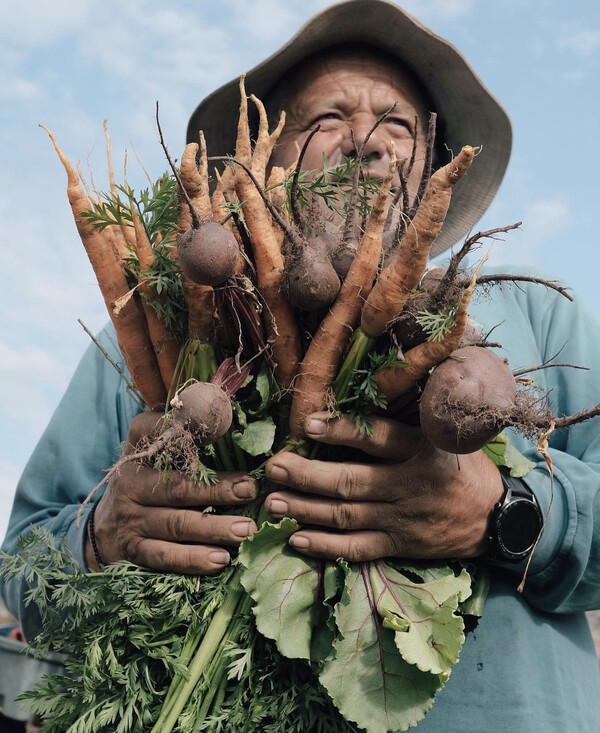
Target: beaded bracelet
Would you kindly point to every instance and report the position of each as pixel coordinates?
(92, 535)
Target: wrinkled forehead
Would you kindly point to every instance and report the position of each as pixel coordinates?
(355, 58)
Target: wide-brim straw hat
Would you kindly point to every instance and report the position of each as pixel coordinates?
(469, 113)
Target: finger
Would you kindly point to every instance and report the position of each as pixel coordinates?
(350, 481)
(149, 487)
(187, 525)
(387, 439)
(352, 546)
(345, 515)
(143, 426)
(170, 557)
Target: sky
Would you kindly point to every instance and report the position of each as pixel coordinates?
(70, 65)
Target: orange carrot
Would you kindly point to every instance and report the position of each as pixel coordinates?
(323, 357)
(130, 325)
(166, 346)
(268, 258)
(223, 195)
(394, 381)
(402, 276)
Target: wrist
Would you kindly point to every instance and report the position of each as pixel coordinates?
(93, 557)
(515, 523)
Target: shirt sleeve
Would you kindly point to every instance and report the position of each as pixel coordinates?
(539, 326)
(80, 443)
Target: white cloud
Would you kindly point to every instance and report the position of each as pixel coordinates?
(543, 220)
(13, 87)
(426, 10)
(546, 218)
(38, 22)
(27, 361)
(584, 42)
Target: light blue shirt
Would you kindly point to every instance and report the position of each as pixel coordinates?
(530, 665)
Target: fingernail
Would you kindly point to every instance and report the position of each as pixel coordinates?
(241, 529)
(219, 557)
(277, 507)
(299, 541)
(276, 473)
(316, 427)
(244, 489)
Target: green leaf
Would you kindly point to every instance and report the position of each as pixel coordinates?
(284, 586)
(430, 633)
(257, 437)
(324, 625)
(473, 605)
(504, 454)
(265, 388)
(367, 679)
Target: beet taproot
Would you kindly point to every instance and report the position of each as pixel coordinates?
(204, 409)
(467, 399)
(208, 254)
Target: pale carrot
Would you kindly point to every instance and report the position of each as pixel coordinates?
(268, 258)
(130, 325)
(166, 346)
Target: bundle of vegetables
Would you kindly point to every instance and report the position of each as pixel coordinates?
(228, 326)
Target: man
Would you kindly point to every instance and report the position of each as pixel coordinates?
(530, 665)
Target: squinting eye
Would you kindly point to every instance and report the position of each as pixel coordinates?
(399, 122)
(325, 116)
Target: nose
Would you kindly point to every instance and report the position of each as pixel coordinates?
(358, 130)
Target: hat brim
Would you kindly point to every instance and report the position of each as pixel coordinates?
(469, 112)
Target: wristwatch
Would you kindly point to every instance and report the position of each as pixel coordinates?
(515, 523)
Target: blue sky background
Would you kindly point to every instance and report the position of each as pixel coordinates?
(69, 65)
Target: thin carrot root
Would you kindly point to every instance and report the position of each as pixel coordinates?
(166, 346)
(223, 201)
(324, 354)
(402, 276)
(268, 258)
(394, 381)
(130, 324)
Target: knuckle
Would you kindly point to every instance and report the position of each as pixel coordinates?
(348, 484)
(342, 516)
(356, 551)
(133, 549)
(177, 524)
(140, 426)
(177, 489)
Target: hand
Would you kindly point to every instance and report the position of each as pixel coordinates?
(412, 501)
(157, 522)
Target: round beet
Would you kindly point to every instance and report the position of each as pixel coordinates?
(204, 410)
(208, 254)
(467, 400)
(310, 279)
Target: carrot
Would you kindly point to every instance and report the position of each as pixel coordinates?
(166, 346)
(223, 195)
(268, 258)
(130, 325)
(123, 234)
(394, 381)
(401, 277)
(323, 356)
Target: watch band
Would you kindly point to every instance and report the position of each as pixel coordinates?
(515, 523)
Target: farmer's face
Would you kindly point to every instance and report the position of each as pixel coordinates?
(346, 94)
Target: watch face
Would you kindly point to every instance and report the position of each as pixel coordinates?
(518, 526)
